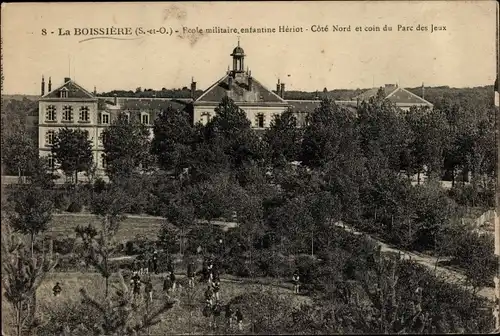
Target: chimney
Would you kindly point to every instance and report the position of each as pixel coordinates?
(95, 91)
(423, 91)
(50, 84)
(230, 81)
(250, 81)
(66, 79)
(282, 91)
(193, 88)
(278, 88)
(115, 99)
(43, 86)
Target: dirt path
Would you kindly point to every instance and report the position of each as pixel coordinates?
(430, 262)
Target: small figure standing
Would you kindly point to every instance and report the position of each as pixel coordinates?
(155, 261)
(216, 289)
(170, 266)
(149, 290)
(135, 266)
(239, 319)
(190, 274)
(136, 284)
(207, 312)
(296, 282)
(57, 289)
(209, 295)
(172, 280)
(167, 284)
(216, 311)
(229, 315)
(204, 273)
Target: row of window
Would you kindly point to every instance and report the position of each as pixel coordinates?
(67, 113)
(51, 161)
(50, 135)
(260, 119)
(84, 115)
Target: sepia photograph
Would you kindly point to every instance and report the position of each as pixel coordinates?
(250, 168)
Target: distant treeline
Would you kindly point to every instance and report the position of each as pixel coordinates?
(434, 95)
(483, 95)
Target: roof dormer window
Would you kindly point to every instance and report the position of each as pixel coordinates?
(63, 93)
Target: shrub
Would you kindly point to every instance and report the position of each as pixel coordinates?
(63, 245)
(273, 264)
(267, 313)
(62, 201)
(75, 206)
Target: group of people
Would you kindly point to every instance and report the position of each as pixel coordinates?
(213, 303)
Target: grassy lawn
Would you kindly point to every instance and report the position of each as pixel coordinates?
(146, 227)
(185, 317)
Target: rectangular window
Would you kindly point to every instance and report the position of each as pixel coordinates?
(102, 138)
(50, 160)
(49, 138)
(103, 161)
(260, 120)
(50, 114)
(145, 118)
(67, 114)
(105, 118)
(84, 114)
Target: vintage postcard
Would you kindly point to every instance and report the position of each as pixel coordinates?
(302, 167)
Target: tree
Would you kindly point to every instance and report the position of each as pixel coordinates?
(383, 133)
(18, 151)
(330, 135)
(31, 211)
(181, 213)
(73, 151)
(126, 147)
(230, 129)
(121, 314)
(429, 139)
(173, 135)
(109, 205)
(22, 274)
(283, 139)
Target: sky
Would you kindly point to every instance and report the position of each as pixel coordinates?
(464, 55)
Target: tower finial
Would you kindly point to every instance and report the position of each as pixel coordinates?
(238, 40)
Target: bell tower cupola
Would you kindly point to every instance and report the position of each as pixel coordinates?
(238, 59)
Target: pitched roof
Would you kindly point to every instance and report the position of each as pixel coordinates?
(74, 91)
(308, 106)
(134, 104)
(388, 89)
(395, 94)
(403, 96)
(239, 91)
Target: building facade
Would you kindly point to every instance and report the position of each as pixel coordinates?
(70, 105)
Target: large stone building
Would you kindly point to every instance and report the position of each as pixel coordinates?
(70, 105)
